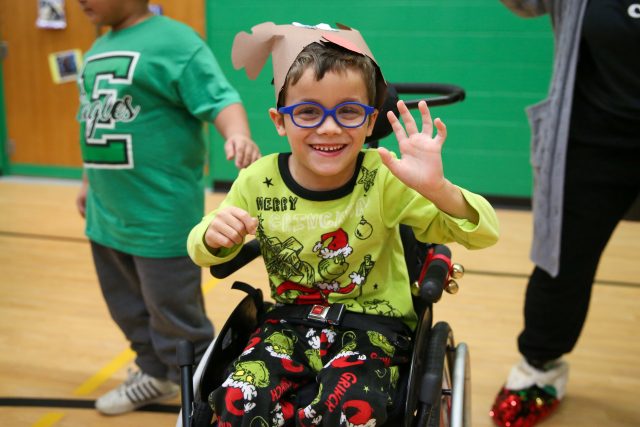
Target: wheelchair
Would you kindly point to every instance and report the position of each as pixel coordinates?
(434, 387)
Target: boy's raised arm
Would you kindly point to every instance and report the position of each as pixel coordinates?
(420, 165)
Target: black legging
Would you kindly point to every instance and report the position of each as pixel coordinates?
(600, 186)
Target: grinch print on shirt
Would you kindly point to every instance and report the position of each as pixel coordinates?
(301, 283)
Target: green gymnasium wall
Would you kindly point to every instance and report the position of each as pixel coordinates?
(502, 61)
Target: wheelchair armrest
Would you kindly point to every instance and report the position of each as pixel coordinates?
(248, 252)
(435, 273)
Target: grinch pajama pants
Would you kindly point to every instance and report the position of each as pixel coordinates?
(349, 376)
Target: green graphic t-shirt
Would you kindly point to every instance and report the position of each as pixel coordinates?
(341, 245)
(144, 93)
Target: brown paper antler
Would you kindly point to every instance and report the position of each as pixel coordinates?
(284, 42)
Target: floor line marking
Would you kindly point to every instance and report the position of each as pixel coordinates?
(122, 359)
(106, 372)
(209, 285)
(49, 419)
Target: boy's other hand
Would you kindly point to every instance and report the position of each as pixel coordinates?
(229, 228)
(243, 149)
(81, 199)
(420, 162)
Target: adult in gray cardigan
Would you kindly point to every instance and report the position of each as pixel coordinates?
(585, 154)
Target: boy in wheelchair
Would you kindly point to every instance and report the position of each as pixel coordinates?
(327, 216)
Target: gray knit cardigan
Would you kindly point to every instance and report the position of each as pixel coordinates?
(549, 121)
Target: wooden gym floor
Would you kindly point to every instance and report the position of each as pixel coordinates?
(58, 343)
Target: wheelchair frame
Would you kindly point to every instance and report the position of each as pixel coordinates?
(438, 378)
(438, 384)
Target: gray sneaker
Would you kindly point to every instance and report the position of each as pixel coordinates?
(138, 390)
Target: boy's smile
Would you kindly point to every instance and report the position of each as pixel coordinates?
(324, 157)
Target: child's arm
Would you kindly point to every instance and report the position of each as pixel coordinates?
(81, 198)
(229, 228)
(222, 229)
(232, 124)
(420, 166)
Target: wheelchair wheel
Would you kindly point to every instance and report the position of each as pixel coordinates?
(445, 392)
(440, 363)
(461, 397)
(436, 388)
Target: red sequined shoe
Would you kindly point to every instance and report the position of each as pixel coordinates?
(529, 395)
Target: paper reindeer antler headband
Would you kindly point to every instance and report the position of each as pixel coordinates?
(285, 42)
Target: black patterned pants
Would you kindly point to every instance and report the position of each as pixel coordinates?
(296, 375)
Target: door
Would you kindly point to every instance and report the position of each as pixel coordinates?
(41, 129)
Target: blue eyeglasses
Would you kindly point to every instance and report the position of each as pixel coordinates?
(312, 114)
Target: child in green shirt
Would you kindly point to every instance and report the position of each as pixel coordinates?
(146, 88)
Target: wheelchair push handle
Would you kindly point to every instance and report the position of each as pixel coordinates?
(449, 94)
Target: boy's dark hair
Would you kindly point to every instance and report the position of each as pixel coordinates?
(325, 57)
